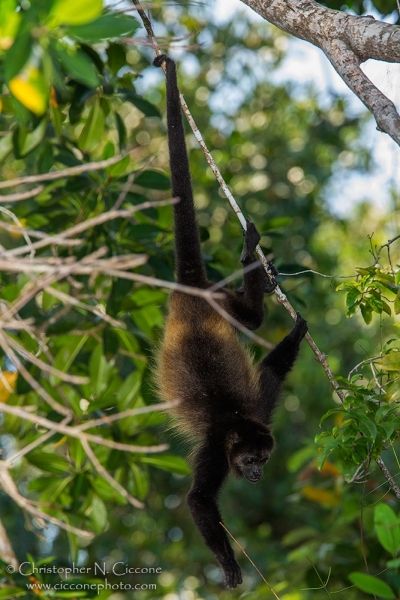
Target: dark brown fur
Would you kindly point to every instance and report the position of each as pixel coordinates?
(226, 402)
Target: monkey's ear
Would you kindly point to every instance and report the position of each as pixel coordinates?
(233, 438)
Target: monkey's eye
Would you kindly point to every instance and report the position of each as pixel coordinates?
(249, 461)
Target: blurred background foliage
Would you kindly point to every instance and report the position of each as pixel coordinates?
(78, 86)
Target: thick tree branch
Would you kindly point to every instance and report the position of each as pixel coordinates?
(347, 65)
(347, 41)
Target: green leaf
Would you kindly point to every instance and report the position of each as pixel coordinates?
(74, 12)
(33, 139)
(276, 223)
(387, 527)
(11, 592)
(352, 297)
(106, 491)
(98, 514)
(93, 130)
(106, 27)
(366, 312)
(148, 109)
(154, 180)
(168, 462)
(100, 370)
(368, 428)
(78, 66)
(66, 356)
(390, 362)
(119, 168)
(141, 480)
(9, 22)
(18, 55)
(51, 463)
(371, 585)
(299, 458)
(397, 304)
(6, 145)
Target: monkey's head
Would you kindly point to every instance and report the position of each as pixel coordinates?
(249, 447)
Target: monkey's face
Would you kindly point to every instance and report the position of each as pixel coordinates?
(249, 446)
(251, 465)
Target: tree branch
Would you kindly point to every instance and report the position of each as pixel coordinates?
(8, 485)
(69, 172)
(106, 475)
(76, 433)
(347, 40)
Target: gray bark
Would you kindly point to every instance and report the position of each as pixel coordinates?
(347, 41)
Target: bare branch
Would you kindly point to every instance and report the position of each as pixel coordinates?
(387, 245)
(76, 433)
(106, 475)
(75, 379)
(11, 490)
(131, 412)
(9, 462)
(70, 172)
(22, 195)
(31, 380)
(94, 309)
(80, 227)
(33, 287)
(6, 550)
(393, 486)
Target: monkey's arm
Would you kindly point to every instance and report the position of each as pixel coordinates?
(211, 468)
(277, 364)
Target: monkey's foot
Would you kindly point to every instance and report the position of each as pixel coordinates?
(251, 239)
(271, 285)
(300, 329)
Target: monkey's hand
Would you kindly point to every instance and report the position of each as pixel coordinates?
(233, 573)
(300, 329)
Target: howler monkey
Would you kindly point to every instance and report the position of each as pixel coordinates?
(226, 402)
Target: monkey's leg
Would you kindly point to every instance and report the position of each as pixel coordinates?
(277, 364)
(210, 471)
(247, 306)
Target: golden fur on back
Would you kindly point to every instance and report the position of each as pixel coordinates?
(201, 347)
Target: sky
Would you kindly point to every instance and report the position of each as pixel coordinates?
(308, 62)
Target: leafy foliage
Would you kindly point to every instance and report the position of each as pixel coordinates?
(74, 91)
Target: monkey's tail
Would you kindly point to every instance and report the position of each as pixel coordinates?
(189, 262)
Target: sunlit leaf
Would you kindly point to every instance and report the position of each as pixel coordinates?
(390, 362)
(321, 496)
(397, 304)
(8, 382)
(74, 12)
(29, 87)
(9, 23)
